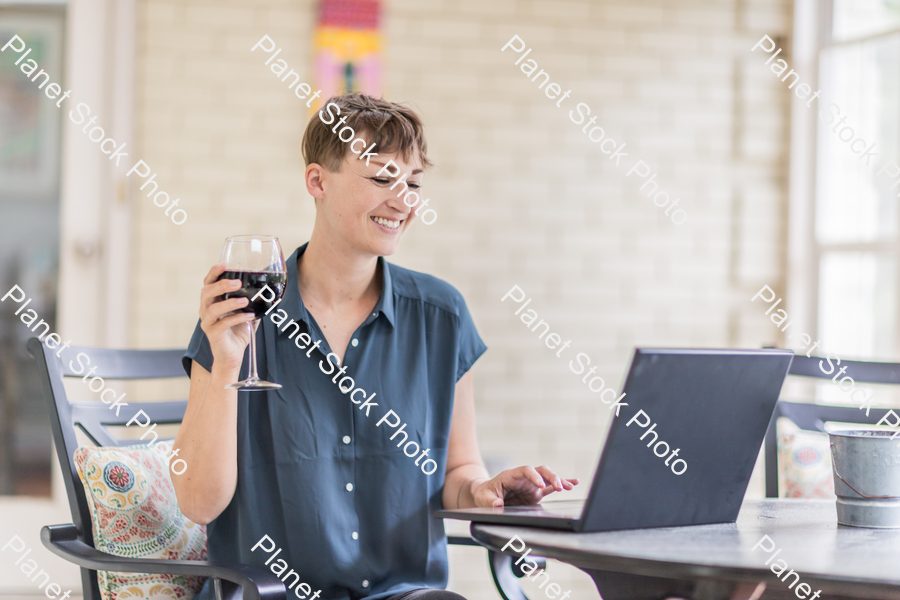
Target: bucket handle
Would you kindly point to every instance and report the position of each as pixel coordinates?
(834, 466)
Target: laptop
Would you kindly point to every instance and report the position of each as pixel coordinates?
(711, 406)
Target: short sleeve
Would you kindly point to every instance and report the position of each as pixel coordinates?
(198, 350)
(470, 345)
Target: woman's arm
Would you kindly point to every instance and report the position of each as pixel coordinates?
(207, 438)
(467, 483)
(464, 464)
(207, 442)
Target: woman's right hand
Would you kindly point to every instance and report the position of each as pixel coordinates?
(228, 335)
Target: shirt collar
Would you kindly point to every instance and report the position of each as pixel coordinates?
(384, 306)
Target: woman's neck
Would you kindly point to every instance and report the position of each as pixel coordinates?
(331, 276)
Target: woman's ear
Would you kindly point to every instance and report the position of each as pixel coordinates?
(315, 181)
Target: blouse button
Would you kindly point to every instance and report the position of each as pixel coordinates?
(365, 583)
(354, 535)
(346, 439)
(349, 487)
(354, 342)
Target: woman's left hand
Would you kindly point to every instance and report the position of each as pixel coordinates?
(522, 485)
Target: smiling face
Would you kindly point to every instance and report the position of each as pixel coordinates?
(355, 206)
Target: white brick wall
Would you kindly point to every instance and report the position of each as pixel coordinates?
(522, 196)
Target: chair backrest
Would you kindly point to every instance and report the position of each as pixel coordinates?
(94, 418)
(812, 417)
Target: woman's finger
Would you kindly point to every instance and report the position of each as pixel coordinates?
(547, 491)
(211, 291)
(214, 273)
(489, 494)
(236, 319)
(220, 309)
(550, 477)
(530, 473)
(212, 316)
(215, 315)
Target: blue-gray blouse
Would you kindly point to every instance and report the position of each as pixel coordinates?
(348, 506)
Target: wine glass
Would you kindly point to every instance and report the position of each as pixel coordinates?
(257, 261)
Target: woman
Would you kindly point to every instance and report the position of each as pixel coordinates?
(306, 465)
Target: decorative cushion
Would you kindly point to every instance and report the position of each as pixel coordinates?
(804, 462)
(134, 514)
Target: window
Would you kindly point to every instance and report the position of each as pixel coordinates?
(856, 233)
(29, 211)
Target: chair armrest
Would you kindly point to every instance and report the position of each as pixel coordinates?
(257, 584)
(461, 540)
(504, 572)
(505, 578)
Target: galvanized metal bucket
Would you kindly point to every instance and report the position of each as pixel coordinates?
(866, 467)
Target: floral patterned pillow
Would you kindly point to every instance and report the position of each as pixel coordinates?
(134, 513)
(804, 462)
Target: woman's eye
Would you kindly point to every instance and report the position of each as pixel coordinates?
(414, 186)
(381, 180)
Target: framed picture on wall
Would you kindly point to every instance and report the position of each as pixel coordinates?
(29, 119)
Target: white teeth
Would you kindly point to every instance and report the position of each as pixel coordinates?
(386, 223)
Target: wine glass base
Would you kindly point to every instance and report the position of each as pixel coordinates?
(253, 386)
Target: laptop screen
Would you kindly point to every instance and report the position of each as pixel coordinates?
(682, 451)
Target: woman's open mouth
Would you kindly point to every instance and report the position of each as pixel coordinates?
(388, 224)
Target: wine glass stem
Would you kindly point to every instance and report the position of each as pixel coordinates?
(253, 375)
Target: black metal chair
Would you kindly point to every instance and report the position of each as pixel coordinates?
(812, 417)
(74, 542)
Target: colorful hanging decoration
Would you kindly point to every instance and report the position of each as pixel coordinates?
(347, 53)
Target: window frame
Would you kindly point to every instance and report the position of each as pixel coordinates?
(813, 26)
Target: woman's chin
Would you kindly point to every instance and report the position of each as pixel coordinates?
(389, 249)
(385, 247)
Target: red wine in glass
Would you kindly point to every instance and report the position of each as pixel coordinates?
(257, 261)
(253, 283)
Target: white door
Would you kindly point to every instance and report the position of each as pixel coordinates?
(94, 242)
